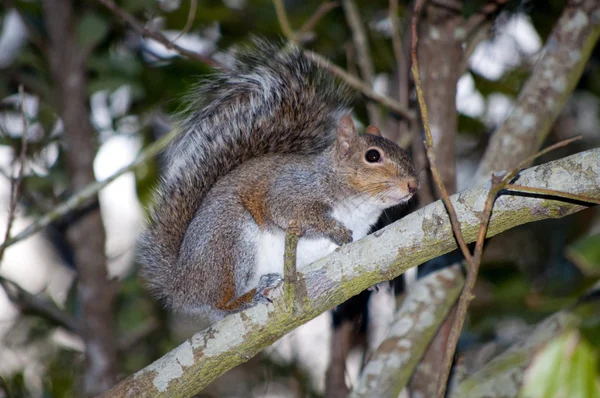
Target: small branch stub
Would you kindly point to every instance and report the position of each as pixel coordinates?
(289, 265)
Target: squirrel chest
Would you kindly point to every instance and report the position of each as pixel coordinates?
(357, 214)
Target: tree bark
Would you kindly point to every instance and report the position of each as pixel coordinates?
(422, 312)
(440, 53)
(86, 235)
(541, 100)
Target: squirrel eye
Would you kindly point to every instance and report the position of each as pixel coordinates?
(372, 156)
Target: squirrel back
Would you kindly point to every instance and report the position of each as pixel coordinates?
(272, 101)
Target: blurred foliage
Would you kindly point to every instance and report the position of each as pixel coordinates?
(118, 57)
(566, 367)
(585, 253)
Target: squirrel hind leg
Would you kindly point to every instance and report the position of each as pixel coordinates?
(244, 282)
(259, 294)
(230, 303)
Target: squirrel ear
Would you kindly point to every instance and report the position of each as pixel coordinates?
(346, 134)
(373, 131)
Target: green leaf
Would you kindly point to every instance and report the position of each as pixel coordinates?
(91, 29)
(566, 367)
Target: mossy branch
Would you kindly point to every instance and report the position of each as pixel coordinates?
(381, 256)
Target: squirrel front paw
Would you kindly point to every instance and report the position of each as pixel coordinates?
(266, 284)
(341, 235)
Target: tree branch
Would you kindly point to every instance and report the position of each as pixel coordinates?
(415, 323)
(498, 183)
(505, 372)
(441, 38)
(378, 257)
(541, 100)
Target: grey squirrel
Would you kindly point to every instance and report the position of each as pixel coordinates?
(268, 141)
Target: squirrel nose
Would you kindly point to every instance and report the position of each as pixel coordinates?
(413, 186)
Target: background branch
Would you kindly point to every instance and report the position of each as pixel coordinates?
(402, 135)
(441, 38)
(15, 183)
(30, 304)
(363, 54)
(159, 37)
(414, 325)
(541, 99)
(90, 191)
(505, 372)
(359, 85)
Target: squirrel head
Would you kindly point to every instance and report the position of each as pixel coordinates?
(372, 165)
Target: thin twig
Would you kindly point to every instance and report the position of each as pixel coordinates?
(31, 304)
(25, 301)
(363, 53)
(323, 9)
(484, 14)
(351, 80)
(544, 151)
(359, 37)
(498, 183)
(357, 84)
(458, 319)
(551, 192)
(159, 37)
(15, 183)
(284, 22)
(467, 293)
(189, 22)
(429, 139)
(89, 191)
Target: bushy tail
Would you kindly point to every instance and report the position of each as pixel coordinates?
(273, 100)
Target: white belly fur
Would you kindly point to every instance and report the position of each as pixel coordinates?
(356, 214)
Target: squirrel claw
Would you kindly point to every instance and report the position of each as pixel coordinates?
(267, 283)
(342, 236)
